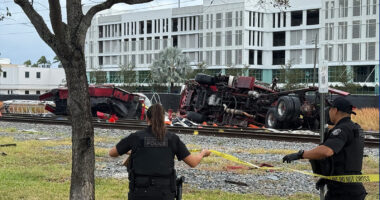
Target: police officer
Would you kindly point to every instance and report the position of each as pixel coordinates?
(151, 170)
(341, 153)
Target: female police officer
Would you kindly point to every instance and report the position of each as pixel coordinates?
(340, 154)
(151, 171)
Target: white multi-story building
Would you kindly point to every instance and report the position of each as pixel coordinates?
(240, 34)
(18, 79)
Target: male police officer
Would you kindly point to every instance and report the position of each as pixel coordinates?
(341, 153)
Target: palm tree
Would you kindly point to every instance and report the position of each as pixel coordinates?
(43, 61)
(28, 63)
(172, 66)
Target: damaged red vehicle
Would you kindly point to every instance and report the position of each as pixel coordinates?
(241, 101)
(103, 99)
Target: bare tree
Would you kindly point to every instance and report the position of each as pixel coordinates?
(67, 41)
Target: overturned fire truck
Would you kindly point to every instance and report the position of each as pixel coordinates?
(242, 101)
(103, 99)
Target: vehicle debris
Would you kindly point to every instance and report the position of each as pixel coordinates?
(104, 99)
(244, 102)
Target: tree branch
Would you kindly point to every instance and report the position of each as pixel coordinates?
(38, 22)
(109, 4)
(56, 19)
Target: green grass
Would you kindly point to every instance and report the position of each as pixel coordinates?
(35, 170)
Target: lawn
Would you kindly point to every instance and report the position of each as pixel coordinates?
(40, 169)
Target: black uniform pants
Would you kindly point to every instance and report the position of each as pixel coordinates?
(345, 191)
(151, 193)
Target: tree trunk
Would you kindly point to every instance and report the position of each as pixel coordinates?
(83, 156)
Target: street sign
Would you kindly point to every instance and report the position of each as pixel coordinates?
(323, 80)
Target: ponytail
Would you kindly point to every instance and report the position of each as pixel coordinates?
(156, 114)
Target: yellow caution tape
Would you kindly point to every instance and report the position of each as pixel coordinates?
(221, 131)
(196, 132)
(343, 178)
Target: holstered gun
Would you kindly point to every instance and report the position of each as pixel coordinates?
(179, 182)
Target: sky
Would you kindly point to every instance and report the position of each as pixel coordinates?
(20, 42)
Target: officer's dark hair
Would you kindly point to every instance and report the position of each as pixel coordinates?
(156, 114)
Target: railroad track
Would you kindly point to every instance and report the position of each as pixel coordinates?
(205, 130)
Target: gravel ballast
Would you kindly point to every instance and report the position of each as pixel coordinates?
(254, 181)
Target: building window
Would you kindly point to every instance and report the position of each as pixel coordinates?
(356, 52)
(329, 52)
(149, 26)
(296, 18)
(141, 45)
(175, 40)
(356, 29)
(279, 38)
(257, 73)
(219, 20)
(218, 57)
(26, 91)
(342, 52)
(357, 7)
(342, 30)
(26, 74)
(229, 19)
(370, 50)
(337, 74)
(156, 43)
(38, 75)
(364, 73)
(295, 37)
(238, 37)
(38, 92)
(149, 43)
(312, 35)
(209, 58)
(228, 38)
(200, 22)
(278, 57)
(310, 53)
(4, 74)
(133, 44)
(209, 40)
(141, 27)
(296, 56)
(218, 39)
(251, 57)
(329, 31)
(259, 57)
(238, 57)
(343, 8)
(174, 24)
(371, 28)
(228, 57)
(312, 17)
(141, 60)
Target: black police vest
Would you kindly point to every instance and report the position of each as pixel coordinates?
(151, 159)
(349, 160)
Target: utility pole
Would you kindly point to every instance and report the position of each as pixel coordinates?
(179, 3)
(315, 57)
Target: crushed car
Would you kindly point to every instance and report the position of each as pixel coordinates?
(244, 102)
(104, 99)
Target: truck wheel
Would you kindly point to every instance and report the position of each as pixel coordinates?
(196, 117)
(284, 108)
(204, 79)
(271, 120)
(297, 108)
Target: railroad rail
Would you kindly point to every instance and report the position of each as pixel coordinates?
(205, 130)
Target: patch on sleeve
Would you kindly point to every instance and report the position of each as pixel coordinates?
(336, 131)
(154, 142)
